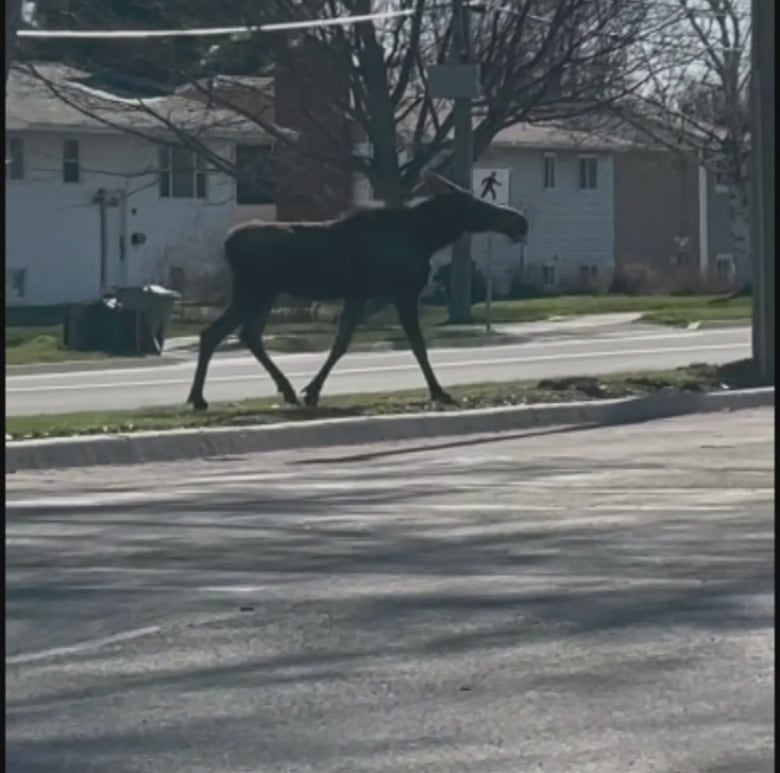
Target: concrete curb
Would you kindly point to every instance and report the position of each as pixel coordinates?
(144, 447)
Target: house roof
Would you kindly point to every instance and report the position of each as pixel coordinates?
(551, 137)
(537, 136)
(264, 84)
(31, 103)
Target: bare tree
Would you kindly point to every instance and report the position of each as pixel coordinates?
(695, 100)
(13, 19)
(541, 60)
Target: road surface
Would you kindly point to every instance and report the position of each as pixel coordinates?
(566, 600)
(235, 376)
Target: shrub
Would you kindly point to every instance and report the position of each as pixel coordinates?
(632, 279)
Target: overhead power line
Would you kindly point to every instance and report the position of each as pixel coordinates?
(209, 31)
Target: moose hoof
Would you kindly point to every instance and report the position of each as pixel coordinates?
(290, 398)
(311, 397)
(198, 403)
(444, 398)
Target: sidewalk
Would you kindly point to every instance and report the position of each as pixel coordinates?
(554, 325)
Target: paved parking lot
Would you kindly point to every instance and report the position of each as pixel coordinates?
(563, 600)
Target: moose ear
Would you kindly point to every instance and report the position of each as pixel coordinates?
(439, 186)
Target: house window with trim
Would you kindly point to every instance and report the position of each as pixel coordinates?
(70, 161)
(550, 274)
(255, 175)
(588, 173)
(182, 174)
(14, 158)
(549, 171)
(724, 265)
(15, 284)
(721, 183)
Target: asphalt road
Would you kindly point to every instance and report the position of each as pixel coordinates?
(567, 600)
(234, 376)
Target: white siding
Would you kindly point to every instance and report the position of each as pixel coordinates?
(53, 227)
(575, 226)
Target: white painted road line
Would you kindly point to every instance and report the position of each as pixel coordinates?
(91, 644)
(244, 359)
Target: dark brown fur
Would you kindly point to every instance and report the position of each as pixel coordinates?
(375, 253)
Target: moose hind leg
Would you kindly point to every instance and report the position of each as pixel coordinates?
(210, 338)
(350, 316)
(252, 338)
(409, 317)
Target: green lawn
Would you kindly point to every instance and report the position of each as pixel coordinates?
(737, 310)
(690, 307)
(271, 410)
(25, 345)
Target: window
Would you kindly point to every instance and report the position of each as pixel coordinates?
(176, 278)
(549, 171)
(15, 284)
(588, 173)
(254, 179)
(70, 161)
(14, 158)
(549, 274)
(724, 265)
(721, 184)
(182, 174)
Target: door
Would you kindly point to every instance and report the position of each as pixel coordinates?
(113, 238)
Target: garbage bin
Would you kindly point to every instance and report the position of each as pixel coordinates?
(129, 320)
(102, 325)
(152, 305)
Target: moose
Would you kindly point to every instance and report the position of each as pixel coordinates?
(381, 253)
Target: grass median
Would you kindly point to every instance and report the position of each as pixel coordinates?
(699, 378)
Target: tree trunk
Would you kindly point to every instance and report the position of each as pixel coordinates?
(386, 180)
(13, 17)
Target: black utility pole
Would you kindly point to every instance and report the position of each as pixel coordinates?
(460, 277)
(762, 210)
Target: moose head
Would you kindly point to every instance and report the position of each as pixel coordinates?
(478, 216)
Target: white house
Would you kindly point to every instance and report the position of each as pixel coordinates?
(564, 182)
(89, 206)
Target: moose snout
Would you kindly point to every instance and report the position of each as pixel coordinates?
(518, 228)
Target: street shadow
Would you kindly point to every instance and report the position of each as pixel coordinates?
(426, 446)
(435, 585)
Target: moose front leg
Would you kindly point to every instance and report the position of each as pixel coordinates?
(252, 338)
(350, 316)
(409, 317)
(210, 338)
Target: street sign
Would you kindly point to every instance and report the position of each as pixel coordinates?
(454, 81)
(491, 185)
